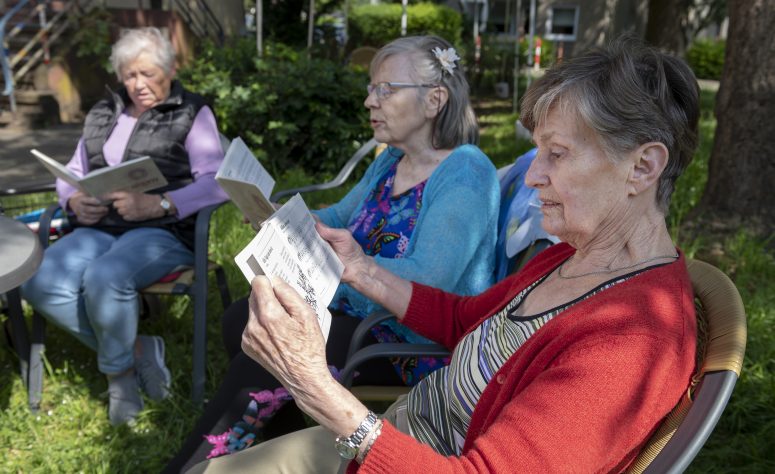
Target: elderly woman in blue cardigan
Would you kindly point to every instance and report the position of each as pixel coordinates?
(426, 209)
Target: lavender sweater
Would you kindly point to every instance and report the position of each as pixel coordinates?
(204, 153)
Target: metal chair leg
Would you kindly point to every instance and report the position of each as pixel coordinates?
(38, 346)
(200, 347)
(223, 287)
(19, 336)
(198, 292)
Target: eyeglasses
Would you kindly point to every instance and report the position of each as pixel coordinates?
(385, 89)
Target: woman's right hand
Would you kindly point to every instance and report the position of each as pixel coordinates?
(87, 209)
(365, 275)
(356, 263)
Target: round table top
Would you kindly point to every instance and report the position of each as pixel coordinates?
(20, 253)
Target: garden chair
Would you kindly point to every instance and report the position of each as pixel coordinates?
(721, 341)
(190, 281)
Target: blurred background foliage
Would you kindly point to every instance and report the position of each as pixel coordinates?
(290, 109)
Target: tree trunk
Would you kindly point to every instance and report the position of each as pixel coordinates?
(665, 25)
(741, 174)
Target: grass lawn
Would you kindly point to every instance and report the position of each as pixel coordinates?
(71, 432)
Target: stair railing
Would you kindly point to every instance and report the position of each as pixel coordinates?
(7, 72)
(200, 18)
(48, 32)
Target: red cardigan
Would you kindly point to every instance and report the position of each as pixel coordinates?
(581, 395)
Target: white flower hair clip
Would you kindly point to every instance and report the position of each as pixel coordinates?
(447, 58)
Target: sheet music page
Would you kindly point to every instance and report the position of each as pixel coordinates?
(288, 246)
(240, 164)
(247, 183)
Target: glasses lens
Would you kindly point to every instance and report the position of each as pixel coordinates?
(383, 90)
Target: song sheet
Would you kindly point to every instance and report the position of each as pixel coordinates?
(289, 247)
(246, 182)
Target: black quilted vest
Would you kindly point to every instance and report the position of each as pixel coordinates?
(159, 133)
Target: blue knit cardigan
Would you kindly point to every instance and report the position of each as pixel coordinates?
(452, 246)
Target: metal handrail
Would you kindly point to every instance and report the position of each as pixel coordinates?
(35, 57)
(209, 21)
(20, 26)
(213, 19)
(50, 30)
(7, 73)
(39, 36)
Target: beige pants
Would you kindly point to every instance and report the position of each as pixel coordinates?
(306, 451)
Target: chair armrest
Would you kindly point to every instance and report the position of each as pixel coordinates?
(711, 397)
(388, 349)
(44, 224)
(202, 226)
(201, 241)
(375, 318)
(344, 173)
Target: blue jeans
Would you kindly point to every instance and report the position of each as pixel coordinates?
(87, 284)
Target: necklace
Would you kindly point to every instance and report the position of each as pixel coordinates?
(603, 272)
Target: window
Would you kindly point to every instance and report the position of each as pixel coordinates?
(562, 23)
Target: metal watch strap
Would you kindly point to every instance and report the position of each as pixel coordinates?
(374, 435)
(348, 447)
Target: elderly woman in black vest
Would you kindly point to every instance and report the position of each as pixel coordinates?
(88, 281)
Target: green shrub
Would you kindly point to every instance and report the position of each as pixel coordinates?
(92, 37)
(377, 25)
(706, 58)
(290, 110)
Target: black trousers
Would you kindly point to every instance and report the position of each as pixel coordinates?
(244, 376)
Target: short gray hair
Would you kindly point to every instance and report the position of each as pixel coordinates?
(628, 94)
(456, 123)
(134, 42)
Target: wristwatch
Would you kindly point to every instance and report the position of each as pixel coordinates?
(348, 447)
(166, 205)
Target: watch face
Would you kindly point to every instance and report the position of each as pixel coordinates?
(165, 204)
(346, 451)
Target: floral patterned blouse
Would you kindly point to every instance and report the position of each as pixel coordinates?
(383, 227)
(386, 222)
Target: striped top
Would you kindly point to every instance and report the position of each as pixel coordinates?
(439, 408)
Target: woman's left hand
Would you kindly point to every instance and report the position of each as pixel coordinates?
(136, 206)
(283, 335)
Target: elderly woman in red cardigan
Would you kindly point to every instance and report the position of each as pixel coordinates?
(568, 365)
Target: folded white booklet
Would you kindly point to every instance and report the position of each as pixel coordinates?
(246, 182)
(289, 247)
(137, 176)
